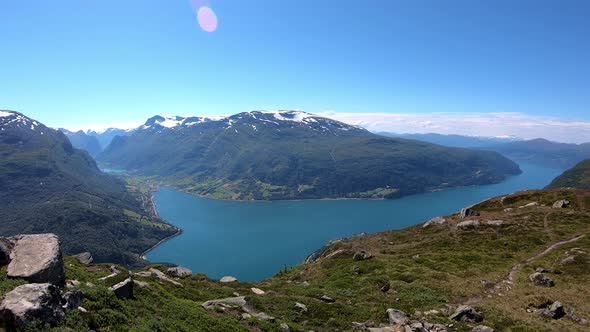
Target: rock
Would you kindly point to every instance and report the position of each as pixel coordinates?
(363, 326)
(179, 272)
(257, 291)
(541, 279)
(6, 245)
(114, 273)
(327, 299)
(159, 275)
(468, 223)
(30, 302)
(573, 255)
(228, 279)
(507, 210)
(124, 289)
(562, 203)
(82, 310)
(71, 284)
(482, 328)
(84, 258)
(316, 255)
(301, 307)
(263, 316)
(541, 269)
(466, 314)
(555, 310)
(246, 315)
(383, 329)
(141, 284)
(495, 222)
(238, 301)
(435, 221)
(529, 205)
(397, 317)
(361, 255)
(468, 212)
(37, 258)
(72, 299)
(284, 326)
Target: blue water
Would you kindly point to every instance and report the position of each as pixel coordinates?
(254, 240)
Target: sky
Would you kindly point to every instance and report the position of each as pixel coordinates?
(517, 64)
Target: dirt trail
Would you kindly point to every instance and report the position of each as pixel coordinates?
(517, 267)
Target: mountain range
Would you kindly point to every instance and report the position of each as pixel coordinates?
(577, 177)
(452, 140)
(46, 185)
(294, 155)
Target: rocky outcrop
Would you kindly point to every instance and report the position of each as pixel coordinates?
(466, 314)
(31, 302)
(531, 204)
(37, 258)
(316, 255)
(124, 289)
(301, 307)
(327, 299)
(399, 322)
(179, 272)
(159, 275)
(495, 222)
(435, 221)
(562, 203)
(573, 255)
(84, 257)
(468, 212)
(257, 291)
(238, 302)
(541, 279)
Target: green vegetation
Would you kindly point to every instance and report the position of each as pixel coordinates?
(576, 177)
(255, 156)
(415, 270)
(46, 185)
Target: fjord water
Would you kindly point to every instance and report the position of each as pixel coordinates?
(254, 240)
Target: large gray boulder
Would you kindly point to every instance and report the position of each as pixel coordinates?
(31, 302)
(179, 272)
(541, 279)
(6, 245)
(562, 203)
(468, 212)
(37, 258)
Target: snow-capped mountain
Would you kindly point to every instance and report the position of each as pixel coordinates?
(15, 120)
(293, 154)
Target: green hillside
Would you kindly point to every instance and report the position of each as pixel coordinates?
(46, 185)
(294, 155)
(576, 177)
(426, 271)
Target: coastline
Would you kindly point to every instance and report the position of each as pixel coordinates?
(154, 209)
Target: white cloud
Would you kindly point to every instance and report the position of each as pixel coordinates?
(472, 124)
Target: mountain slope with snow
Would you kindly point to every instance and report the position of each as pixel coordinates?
(294, 155)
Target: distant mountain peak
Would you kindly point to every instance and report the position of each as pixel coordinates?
(12, 119)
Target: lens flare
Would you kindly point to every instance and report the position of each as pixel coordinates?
(207, 19)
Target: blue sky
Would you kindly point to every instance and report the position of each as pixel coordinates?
(78, 63)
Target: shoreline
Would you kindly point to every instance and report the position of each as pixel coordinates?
(154, 209)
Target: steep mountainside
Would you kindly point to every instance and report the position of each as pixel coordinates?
(576, 177)
(105, 137)
(457, 141)
(543, 152)
(46, 185)
(81, 141)
(293, 155)
(520, 265)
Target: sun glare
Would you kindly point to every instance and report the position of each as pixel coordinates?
(207, 19)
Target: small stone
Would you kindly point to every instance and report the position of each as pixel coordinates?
(84, 258)
(284, 326)
(257, 291)
(301, 307)
(397, 317)
(507, 210)
(327, 299)
(468, 223)
(466, 314)
(246, 315)
(560, 204)
(555, 310)
(482, 328)
(468, 212)
(71, 284)
(361, 255)
(227, 279)
(495, 222)
(529, 205)
(541, 279)
(72, 299)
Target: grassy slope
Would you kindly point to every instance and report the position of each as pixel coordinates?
(425, 267)
(576, 177)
